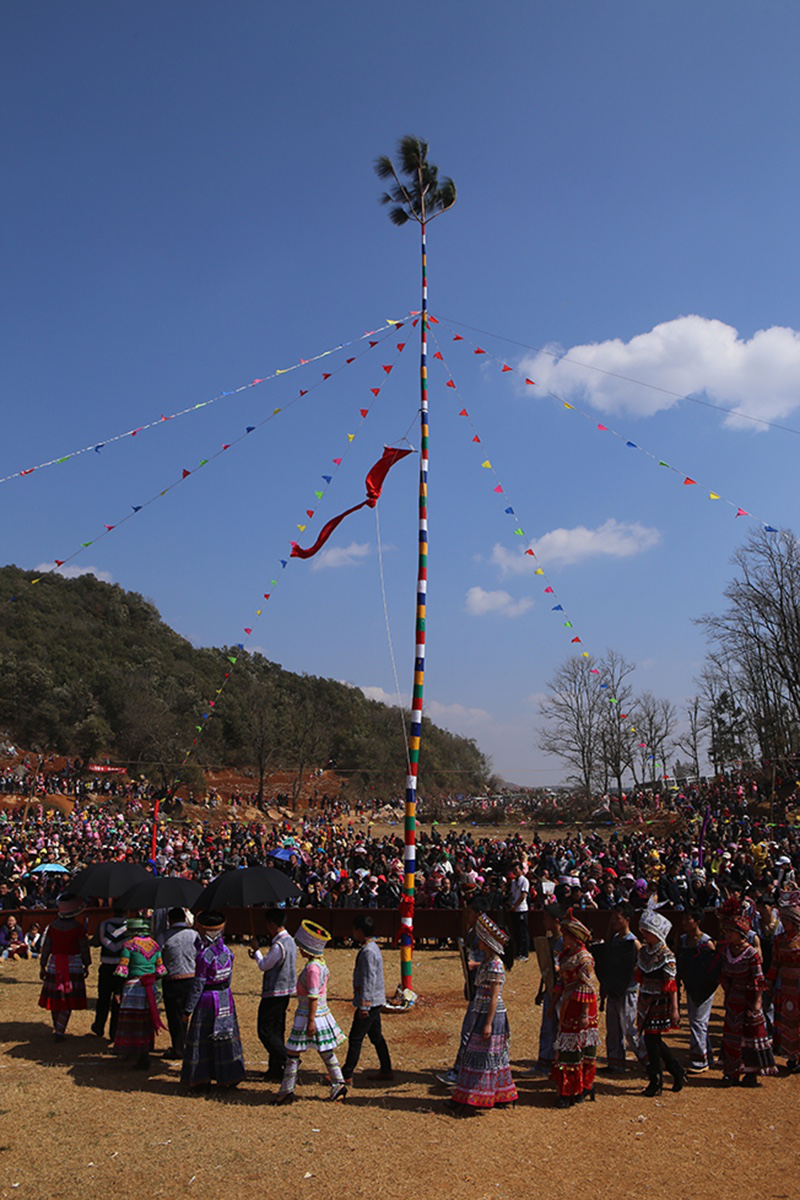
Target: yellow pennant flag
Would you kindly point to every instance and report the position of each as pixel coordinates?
(275, 412)
(486, 464)
(302, 528)
(568, 405)
(350, 437)
(713, 496)
(538, 571)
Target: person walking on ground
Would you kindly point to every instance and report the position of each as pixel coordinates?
(698, 971)
(212, 1050)
(615, 964)
(576, 1044)
(279, 984)
(746, 1048)
(178, 954)
(140, 967)
(783, 981)
(111, 936)
(314, 1023)
(520, 889)
(484, 1071)
(64, 964)
(657, 1011)
(369, 997)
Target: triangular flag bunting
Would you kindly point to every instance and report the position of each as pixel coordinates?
(439, 355)
(499, 488)
(458, 338)
(450, 383)
(603, 428)
(713, 496)
(742, 512)
(309, 513)
(326, 374)
(478, 350)
(338, 461)
(185, 473)
(530, 382)
(386, 369)
(506, 368)
(375, 391)
(363, 411)
(688, 480)
(463, 413)
(486, 465)
(476, 438)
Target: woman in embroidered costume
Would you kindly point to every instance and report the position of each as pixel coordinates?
(314, 1023)
(64, 964)
(576, 1043)
(484, 1073)
(213, 1047)
(140, 966)
(657, 1011)
(783, 981)
(746, 1048)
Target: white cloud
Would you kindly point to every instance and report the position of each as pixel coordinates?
(76, 572)
(687, 356)
(457, 717)
(500, 604)
(341, 556)
(565, 547)
(390, 698)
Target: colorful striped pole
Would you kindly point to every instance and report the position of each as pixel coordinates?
(415, 738)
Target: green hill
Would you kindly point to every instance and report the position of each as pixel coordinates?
(88, 668)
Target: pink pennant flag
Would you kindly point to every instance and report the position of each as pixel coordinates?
(337, 461)
(255, 381)
(742, 512)
(603, 428)
(248, 631)
(548, 588)
(109, 528)
(498, 488)
(593, 671)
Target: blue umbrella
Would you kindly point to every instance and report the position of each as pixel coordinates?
(50, 868)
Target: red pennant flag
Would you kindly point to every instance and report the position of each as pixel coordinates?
(185, 472)
(432, 320)
(478, 350)
(575, 640)
(506, 367)
(60, 562)
(439, 355)
(688, 480)
(326, 374)
(463, 413)
(458, 338)
(255, 381)
(450, 383)
(303, 393)
(374, 485)
(531, 553)
(386, 369)
(414, 323)
(373, 343)
(247, 631)
(530, 382)
(349, 360)
(363, 411)
(226, 445)
(29, 471)
(401, 345)
(375, 391)
(337, 461)
(476, 438)
(309, 512)
(109, 528)
(593, 671)
(623, 716)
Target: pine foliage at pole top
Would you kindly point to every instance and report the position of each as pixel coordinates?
(416, 192)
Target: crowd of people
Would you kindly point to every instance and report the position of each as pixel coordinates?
(719, 855)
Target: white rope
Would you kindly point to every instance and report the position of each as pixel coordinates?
(402, 710)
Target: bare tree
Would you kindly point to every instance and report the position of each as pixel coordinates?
(689, 741)
(616, 738)
(573, 718)
(655, 726)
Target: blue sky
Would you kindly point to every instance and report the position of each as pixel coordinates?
(189, 204)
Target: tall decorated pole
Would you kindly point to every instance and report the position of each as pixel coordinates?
(416, 194)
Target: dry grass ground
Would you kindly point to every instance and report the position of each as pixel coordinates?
(76, 1123)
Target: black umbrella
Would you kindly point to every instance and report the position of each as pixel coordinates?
(246, 887)
(161, 891)
(107, 879)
